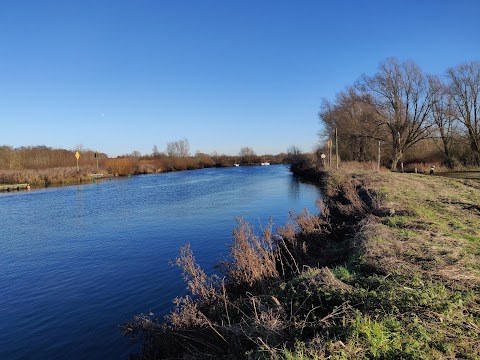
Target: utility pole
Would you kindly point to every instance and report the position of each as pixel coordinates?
(336, 145)
(330, 153)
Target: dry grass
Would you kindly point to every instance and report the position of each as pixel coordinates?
(433, 227)
(46, 177)
(389, 270)
(265, 293)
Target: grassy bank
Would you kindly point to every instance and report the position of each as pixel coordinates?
(389, 270)
(45, 177)
(122, 166)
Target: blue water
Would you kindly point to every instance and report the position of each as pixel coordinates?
(76, 262)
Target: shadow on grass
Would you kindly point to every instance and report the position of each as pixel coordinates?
(461, 174)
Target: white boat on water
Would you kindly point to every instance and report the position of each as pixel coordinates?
(265, 162)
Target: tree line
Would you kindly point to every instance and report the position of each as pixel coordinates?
(175, 157)
(400, 107)
(44, 157)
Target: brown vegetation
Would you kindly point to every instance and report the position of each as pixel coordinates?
(45, 177)
(41, 165)
(387, 271)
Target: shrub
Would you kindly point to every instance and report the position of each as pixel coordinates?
(121, 166)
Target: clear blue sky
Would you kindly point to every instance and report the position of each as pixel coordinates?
(117, 75)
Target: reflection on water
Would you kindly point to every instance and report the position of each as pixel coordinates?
(78, 261)
(294, 189)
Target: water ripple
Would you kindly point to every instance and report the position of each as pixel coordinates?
(78, 261)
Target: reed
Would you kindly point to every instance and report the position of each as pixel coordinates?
(44, 177)
(387, 270)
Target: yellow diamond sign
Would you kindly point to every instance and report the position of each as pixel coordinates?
(77, 154)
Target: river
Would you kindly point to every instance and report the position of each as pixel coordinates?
(78, 261)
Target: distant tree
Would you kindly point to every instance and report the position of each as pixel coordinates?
(294, 153)
(204, 160)
(464, 90)
(79, 147)
(179, 148)
(136, 154)
(247, 154)
(246, 151)
(400, 94)
(155, 151)
(297, 159)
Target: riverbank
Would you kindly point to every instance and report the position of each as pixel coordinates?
(389, 270)
(121, 167)
(46, 177)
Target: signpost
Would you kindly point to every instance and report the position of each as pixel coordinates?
(323, 156)
(77, 155)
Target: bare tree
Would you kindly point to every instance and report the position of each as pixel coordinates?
(356, 123)
(464, 89)
(247, 154)
(246, 151)
(179, 148)
(400, 94)
(294, 154)
(445, 117)
(155, 151)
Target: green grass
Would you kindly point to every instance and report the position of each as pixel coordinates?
(426, 306)
(397, 221)
(342, 273)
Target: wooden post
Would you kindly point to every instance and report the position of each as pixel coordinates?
(336, 145)
(330, 153)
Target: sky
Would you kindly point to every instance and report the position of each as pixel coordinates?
(117, 76)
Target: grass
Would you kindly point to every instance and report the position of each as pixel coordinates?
(389, 270)
(47, 177)
(461, 174)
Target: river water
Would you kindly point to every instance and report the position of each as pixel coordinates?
(76, 262)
